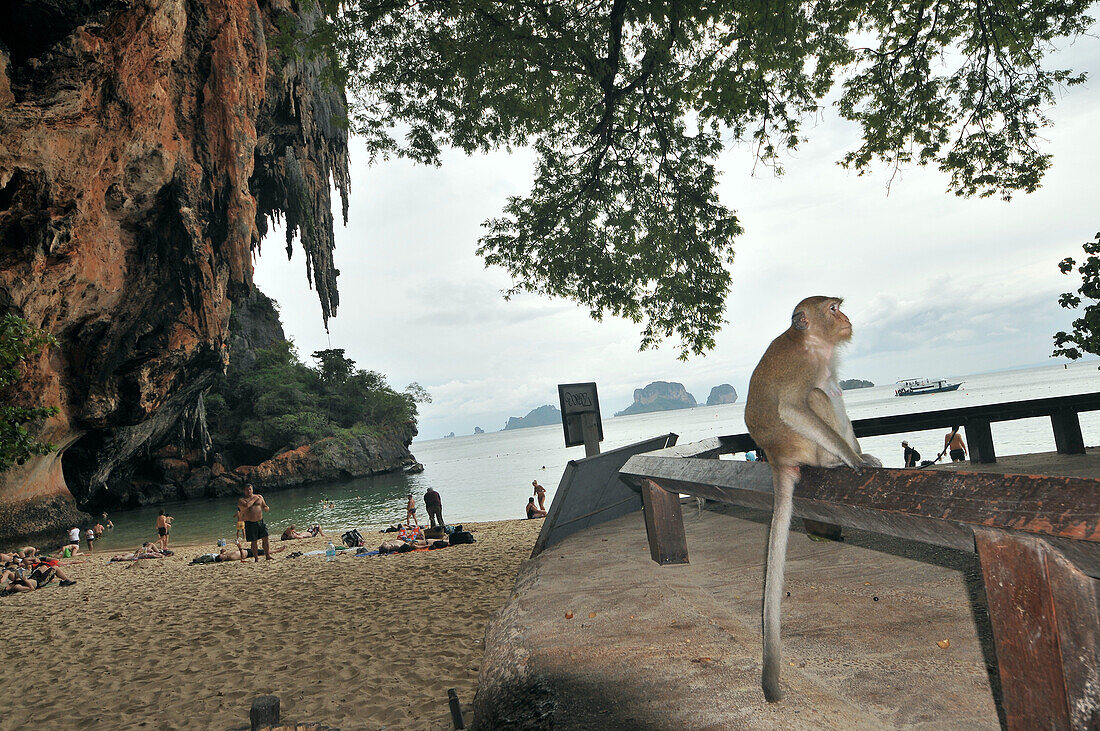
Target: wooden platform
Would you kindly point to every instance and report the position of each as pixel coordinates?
(673, 647)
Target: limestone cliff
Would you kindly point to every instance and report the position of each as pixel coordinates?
(659, 396)
(144, 144)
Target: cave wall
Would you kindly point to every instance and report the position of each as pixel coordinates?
(144, 144)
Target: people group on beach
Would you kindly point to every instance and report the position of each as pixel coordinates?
(27, 570)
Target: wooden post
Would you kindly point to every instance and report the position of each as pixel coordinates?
(979, 440)
(265, 712)
(664, 524)
(1067, 432)
(456, 709)
(1044, 616)
(591, 434)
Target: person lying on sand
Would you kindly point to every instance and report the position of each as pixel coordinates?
(292, 533)
(42, 573)
(147, 550)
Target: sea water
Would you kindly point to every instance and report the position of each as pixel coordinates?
(488, 476)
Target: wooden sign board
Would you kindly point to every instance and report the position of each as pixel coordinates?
(579, 404)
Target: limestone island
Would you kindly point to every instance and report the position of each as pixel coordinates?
(541, 416)
(850, 383)
(659, 396)
(723, 394)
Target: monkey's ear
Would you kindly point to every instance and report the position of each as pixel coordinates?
(799, 321)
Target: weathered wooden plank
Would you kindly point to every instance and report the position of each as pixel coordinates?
(937, 507)
(1043, 613)
(664, 524)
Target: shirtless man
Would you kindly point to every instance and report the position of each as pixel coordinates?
(163, 526)
(410, 512)
(251, 508)
(540, 492)
(532, 511)
(954, 440)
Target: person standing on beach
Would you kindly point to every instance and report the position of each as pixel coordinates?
(251, 508)
(410, 512)
(540, 493)
(163, 525)
(955, 441)
(434, 505)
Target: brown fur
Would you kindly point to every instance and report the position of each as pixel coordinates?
(795, 413)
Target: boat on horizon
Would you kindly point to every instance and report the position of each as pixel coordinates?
(918, 386)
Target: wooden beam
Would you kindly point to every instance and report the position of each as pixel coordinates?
(664, 524)
(979, 442)
(1067, 432)
(1045, 627)
(937, 507)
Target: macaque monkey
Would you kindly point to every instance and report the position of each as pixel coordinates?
(795, 412)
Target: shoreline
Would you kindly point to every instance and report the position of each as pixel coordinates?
(351, 643)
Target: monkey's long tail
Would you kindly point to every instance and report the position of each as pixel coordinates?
(783, 481)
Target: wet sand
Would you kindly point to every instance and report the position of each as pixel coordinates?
(356, 643)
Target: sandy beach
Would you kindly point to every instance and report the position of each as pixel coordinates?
(355, 643)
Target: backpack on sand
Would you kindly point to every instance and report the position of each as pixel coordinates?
(352, 539)
(461, 536)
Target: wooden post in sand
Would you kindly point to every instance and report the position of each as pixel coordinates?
(456, 708)
(265, 712)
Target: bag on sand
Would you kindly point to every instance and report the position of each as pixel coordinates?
(439, 544)
(461, 536)
(352, 539)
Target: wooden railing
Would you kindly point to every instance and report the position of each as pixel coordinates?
(1037, 539)
(975, 421)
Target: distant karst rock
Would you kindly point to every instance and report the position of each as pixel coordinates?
(541, 416)
(850, 383)
(659, 396)
(478, 430)
(450, 436)
(724, 394)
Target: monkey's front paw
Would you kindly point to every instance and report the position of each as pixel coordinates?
(870, 461)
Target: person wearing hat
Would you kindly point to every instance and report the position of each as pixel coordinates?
(912, 456)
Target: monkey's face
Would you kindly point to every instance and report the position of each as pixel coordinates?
(836, 322)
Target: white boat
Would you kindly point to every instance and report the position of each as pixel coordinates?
(918, 386)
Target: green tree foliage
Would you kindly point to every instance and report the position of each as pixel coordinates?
(281, 402)
(628, 104)
(18, 341)
(1085, 337)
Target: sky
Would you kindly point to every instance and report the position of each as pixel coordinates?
(935, 285)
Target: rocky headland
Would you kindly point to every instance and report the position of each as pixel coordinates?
(145, 147)
(659, 396)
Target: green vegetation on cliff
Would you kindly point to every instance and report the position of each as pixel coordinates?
(18, 341)
(279, 402)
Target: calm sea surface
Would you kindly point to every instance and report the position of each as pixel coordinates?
(488, 476)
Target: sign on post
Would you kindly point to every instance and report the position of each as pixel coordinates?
(580, 416)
